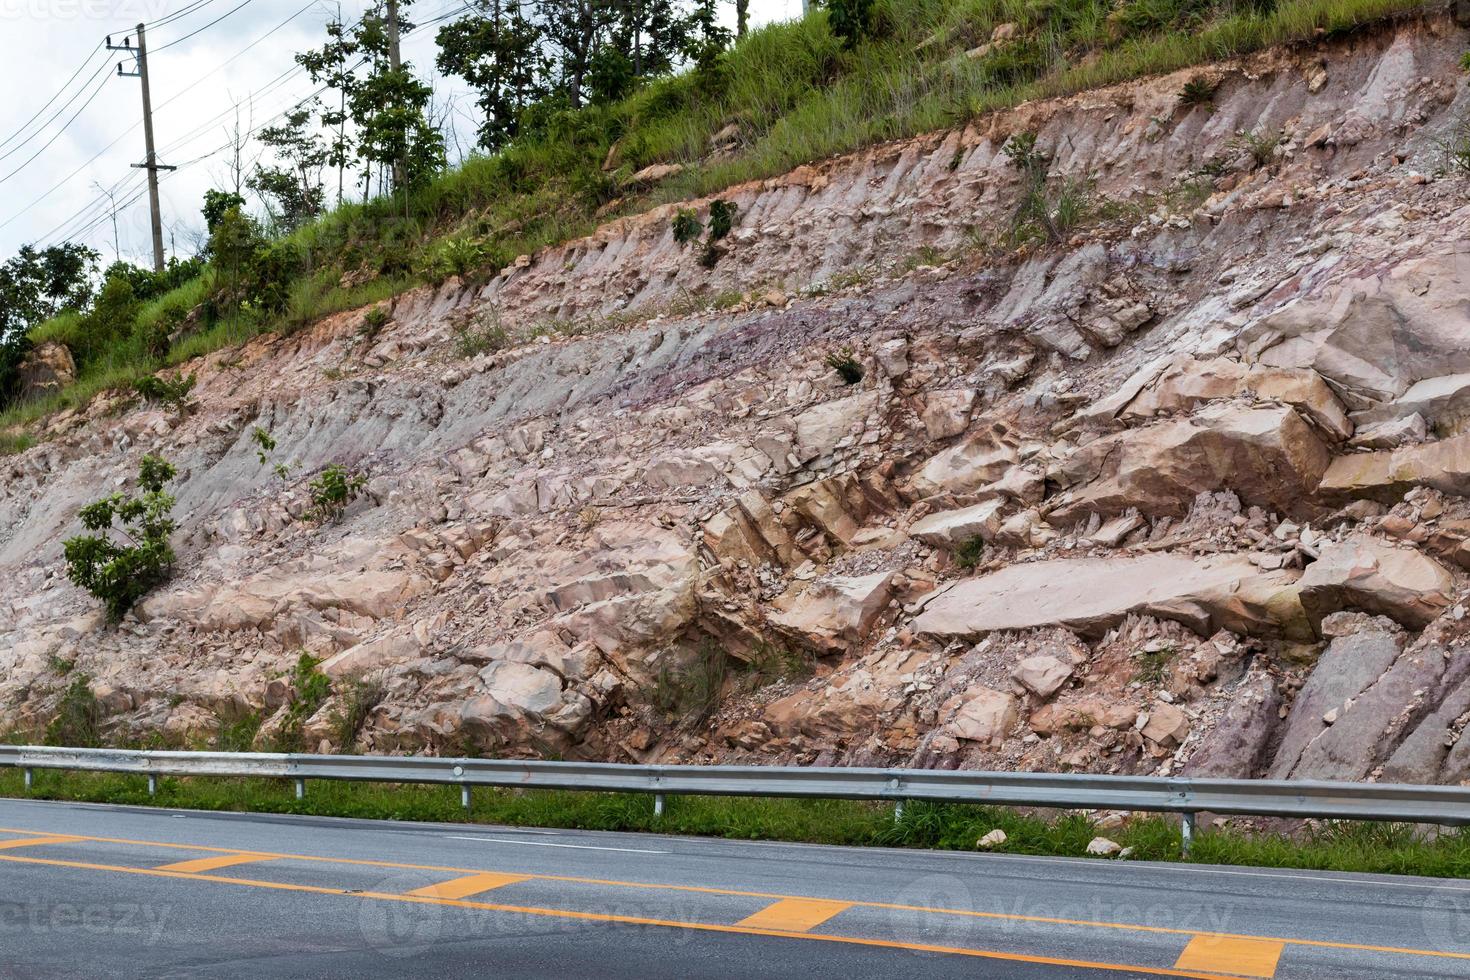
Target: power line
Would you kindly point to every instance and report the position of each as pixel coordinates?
(95, 92)
(206, 27)
(19, 146)
(80, 68)
(185, 11)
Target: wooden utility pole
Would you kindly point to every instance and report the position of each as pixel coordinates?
(150, 164)
(395, 62)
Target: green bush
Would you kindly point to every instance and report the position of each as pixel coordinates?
(846, 366)
(332, 491)
(310, 689)
(78, 719)
(121, 574)
(1197, 91)
(721, 218)
(687, 226)
(163, 391)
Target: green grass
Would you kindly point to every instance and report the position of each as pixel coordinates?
(797, 96)
(1359, 847)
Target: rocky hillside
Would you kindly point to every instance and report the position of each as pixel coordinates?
(1188, 491)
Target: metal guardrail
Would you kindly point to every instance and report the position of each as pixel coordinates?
(1448, 805)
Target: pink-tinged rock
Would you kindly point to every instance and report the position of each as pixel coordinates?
(1268, 456)
(836, 612)
(1367, 573)
(949, 528)
(1043, 676)
(986, 717)
(1090, 595)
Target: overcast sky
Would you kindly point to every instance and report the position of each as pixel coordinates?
(195, 83)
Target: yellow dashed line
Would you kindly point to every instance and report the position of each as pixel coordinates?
(705, 890)
(467, 886)
(988, 954)
(1246, 957)
(215, 863)
(794, 914)
(28, 841)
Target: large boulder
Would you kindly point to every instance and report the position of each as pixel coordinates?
(1043, 676)
(949, 528)
(1366, 573)
(1238, 745)
(984, 457)
(1188, 383)
(1090, 595)
(985, 716)
(1376, 334)
(1267, 456)
(1389, 474)
(835, 612)
(46, 368)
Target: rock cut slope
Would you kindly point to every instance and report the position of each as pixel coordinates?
(1189, 491)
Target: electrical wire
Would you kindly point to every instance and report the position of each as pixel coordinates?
(95, 92)
(74, 75)
(21, 145)
(242, 5)
(185, 11)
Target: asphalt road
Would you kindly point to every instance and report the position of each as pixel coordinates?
(99, 891)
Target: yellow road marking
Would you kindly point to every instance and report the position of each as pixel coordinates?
(468, 885)
(989, 954)
(1247, 957)
(699, 889)
(794, 914)
(215, 863)
(28, 841)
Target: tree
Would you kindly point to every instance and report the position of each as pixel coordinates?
(851, 20)
(292, 190)
(120, 574)
(390, 107)
(217, 204)
(497, 50)
(36, 284)
(328, 65)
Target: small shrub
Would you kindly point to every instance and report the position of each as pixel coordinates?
(173, 394)
(721, 218)
(1465, 61)
(355, 702)
(78, 719)
(332, 491)
(121, 574)
(1198, 91)
(1153, 665)
(770, 663)
(1454, 148)
(265, 444)
(687, 227)
(12, 443)
(846, 366)
(693, 690)
(373, 321)
(970, 553)
(236, 735)
(310, 689)
(484, 337)
(589, 517)
(1261, 145)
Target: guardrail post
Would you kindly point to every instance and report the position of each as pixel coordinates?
(464, 796)
(658, 805)
(1186, 833)
(898, 810)
(152, 784)
(28, 777)
(300, 788)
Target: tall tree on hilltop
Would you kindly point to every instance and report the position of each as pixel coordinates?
(292, 189)
(334, 65)
(498, 51)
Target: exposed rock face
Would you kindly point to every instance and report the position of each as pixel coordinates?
(674, 534)
(1270, 456)
(1090, 595)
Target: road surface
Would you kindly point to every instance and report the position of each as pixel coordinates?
(101, 891)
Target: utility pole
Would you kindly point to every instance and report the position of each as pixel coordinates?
(151, 164)
(400, 166)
